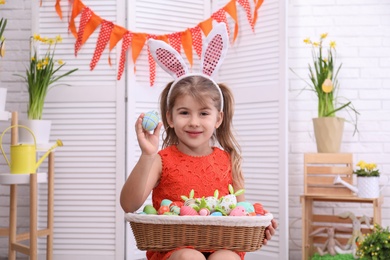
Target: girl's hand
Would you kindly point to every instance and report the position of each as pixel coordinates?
(148, 142)
(270, 231)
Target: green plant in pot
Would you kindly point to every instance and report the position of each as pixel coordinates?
(3, 24)
(323, 75)
(42, 73)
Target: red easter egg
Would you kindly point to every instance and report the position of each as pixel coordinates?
(163, 209)
(259, 209)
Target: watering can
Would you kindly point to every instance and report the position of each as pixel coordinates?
(23, 156)
(367, 187)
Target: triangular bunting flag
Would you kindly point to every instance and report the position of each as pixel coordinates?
(197, 40)
(186, 42)
(152, 64)
(175, 41)
(104, 37)
(125, 45)
(247, 8)
(85, 17)
(220, 16)
(231, 9)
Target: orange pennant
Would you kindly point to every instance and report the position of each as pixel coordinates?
(186, 42)
(231, 9)
(116, 35)
(76, 10)
(58, 8)
(258, 3)
(137, 44)
(206, 26)
(91, 26)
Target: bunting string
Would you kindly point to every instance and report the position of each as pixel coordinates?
(110, 33)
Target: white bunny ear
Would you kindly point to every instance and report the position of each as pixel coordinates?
(214, 49)
(167, 58)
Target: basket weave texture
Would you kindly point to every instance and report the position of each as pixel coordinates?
(204, 233)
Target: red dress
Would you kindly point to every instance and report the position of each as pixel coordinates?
(181, 173)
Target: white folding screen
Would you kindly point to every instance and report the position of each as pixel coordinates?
(89, 117)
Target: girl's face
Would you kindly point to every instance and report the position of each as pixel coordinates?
(194, 124)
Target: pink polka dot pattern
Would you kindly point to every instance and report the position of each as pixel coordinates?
(220, 16)
(170, 61)
(152, 64)
(197, 40)
(125, 45)
(212, 55)
(175, 41)
(85, 17)
(104, 37)
(247, 8)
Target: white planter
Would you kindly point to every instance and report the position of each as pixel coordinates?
(40, 128)
(3, 98)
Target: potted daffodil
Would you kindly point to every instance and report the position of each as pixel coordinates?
(323, 73)
(41, 74)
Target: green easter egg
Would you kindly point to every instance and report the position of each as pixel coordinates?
(149, 209)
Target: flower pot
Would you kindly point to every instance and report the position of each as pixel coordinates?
(368, 187)
(328, 132)
(40, 128)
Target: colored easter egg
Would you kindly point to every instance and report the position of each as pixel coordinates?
(238, 211)
(216, 214)
(150, 120)
(149, 209)
(204, 212)
(259, 209)
(166, 202)
(247, 205)
(163, 209)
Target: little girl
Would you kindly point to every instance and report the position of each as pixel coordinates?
(197, 114)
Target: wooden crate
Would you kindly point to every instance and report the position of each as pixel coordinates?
(320, 170)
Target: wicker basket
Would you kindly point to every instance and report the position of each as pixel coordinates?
(164, 233)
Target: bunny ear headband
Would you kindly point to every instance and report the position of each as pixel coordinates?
(214, 49)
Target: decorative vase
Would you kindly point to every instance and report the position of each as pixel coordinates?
(40, 128)
(328, 132)
(3, 98)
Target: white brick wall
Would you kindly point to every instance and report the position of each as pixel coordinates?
(362, 32)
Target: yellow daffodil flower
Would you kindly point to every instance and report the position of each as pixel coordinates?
(327, 86)
(324, 35)
(316, 44)
(332, 45)
(307, 41)
(60, 62)
(36, 37)
(58, 38)
(2, 2)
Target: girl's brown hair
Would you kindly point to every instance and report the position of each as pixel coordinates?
(198, 87)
